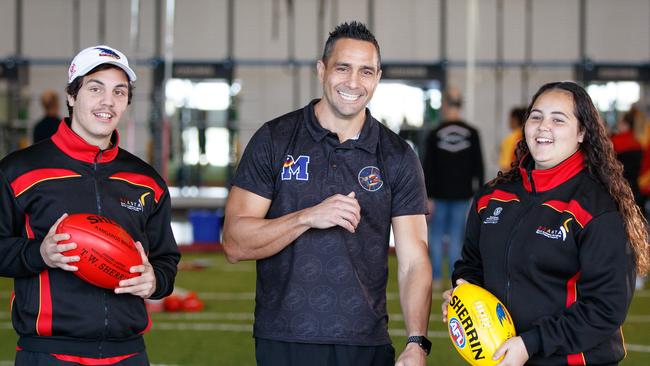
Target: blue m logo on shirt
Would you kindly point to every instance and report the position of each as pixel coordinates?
(296, 167)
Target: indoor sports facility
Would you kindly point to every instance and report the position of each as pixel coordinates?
(210, 73)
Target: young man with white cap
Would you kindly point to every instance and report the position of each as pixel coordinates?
(60, 319)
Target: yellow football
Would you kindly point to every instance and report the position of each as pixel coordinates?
(478, 324)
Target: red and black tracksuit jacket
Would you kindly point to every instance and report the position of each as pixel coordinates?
(553, 248)
(54, 311)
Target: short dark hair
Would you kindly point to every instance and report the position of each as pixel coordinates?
(453, 100)
(73, 88)
(352, 30)
(519, 115)
(630, 117)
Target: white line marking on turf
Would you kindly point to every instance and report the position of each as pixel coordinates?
(251, 295)
(207, 316)
(203, 327)
(637, 348)
(248, 328)
(227, 295)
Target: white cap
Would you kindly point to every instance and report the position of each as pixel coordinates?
(92, 57)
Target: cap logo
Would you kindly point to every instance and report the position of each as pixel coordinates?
(73, 69)
(106, 52)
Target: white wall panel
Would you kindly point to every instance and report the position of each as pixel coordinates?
(408, 31)
(514, 30)
(200, 29)
(7, 28)
(350, 10)
(556, 30)
(146, 46)
(47, 28)
(457, 15)
(89, 22)
(258, 35)
(619, 32)
(308, 47)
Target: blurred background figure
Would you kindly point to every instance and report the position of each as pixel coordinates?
(47, 126)
(629, 152)
(635, 159)
(509, 143)
(453, 171)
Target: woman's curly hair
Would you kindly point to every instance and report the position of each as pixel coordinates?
(601, 162)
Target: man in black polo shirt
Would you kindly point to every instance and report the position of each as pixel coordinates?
(313, 201)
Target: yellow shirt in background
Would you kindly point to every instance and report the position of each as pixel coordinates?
(508, 146)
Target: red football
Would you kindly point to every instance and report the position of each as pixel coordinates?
(106, 251)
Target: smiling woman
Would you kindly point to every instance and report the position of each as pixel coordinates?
(553, 132)
(559, 238)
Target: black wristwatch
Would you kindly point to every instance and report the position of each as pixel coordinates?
(422, 341)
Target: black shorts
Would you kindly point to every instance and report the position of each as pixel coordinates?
(277, 353)
(26, 358)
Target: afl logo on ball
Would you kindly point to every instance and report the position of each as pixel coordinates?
(457, 332)
(370, 178)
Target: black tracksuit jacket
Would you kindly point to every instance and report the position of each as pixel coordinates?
(453, 162)
(552, 247)
(54, 311)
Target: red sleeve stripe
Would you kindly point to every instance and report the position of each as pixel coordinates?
(44, 319)
(29, 179)
(576, 359)
(572, 207)
(142, 181)
(89, 361)
(571, 298)
(28, 228)
(572, 290)
(497, 195)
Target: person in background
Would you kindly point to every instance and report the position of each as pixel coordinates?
(509, 143)
(558, 238)
(61, 319)
(313, 201)
(453, 171)
(47, 126)
(629, 152)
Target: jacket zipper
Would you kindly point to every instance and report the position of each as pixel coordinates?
(512, 235)
(98, 157)
(98, 201)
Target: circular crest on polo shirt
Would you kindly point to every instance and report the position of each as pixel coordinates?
(370, 178)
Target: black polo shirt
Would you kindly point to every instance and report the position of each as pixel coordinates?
(329, 285)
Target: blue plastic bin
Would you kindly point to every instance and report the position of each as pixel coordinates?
(206, 225)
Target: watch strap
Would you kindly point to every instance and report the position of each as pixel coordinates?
(422, 341)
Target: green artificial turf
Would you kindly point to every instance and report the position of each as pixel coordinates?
(221, 333)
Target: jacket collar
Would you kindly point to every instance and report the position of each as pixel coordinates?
(368, 137)
(547, 179)
(77, 148)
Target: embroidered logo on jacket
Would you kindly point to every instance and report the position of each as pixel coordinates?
(298, 168)
(494, 218)
(370, 178)
(555, 234)
(136, 206)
